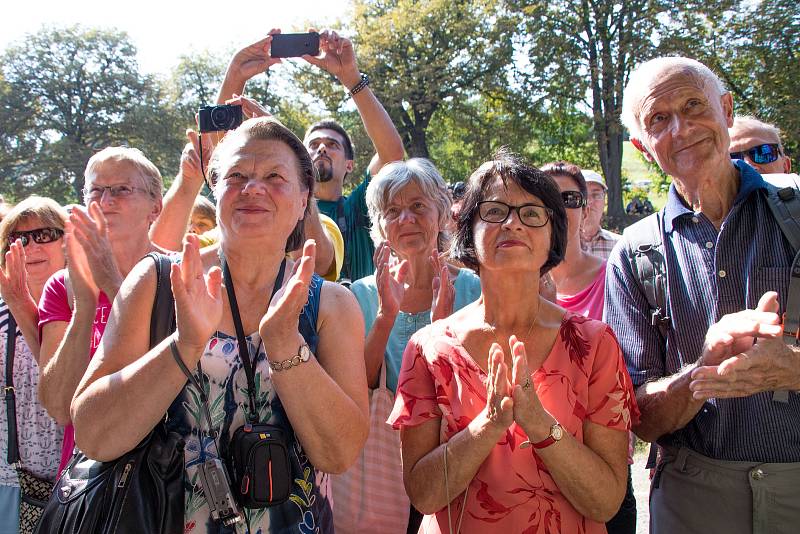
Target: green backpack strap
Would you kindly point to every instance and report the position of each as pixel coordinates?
(645, 253)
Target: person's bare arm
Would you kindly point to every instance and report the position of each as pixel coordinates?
(246, 63)
(330, 388)
(170, 226)
(338, 59)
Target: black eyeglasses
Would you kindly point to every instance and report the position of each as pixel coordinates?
(531, 215)
(573, 199)
(40, 235)
(760, 154)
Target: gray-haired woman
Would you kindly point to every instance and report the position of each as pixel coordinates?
(409, 208)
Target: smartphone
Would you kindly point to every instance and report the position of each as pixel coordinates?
(295, 44)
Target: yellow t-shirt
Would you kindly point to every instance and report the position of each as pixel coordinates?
(331, 230)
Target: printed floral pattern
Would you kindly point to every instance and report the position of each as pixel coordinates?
(583, 378)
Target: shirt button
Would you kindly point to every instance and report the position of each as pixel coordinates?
(695, 220)
(757, 474)
(722, 273)
(409, 319)
(709, 244)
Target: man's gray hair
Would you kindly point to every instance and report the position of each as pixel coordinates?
(392, 178)
(748, 122)
(643, 75)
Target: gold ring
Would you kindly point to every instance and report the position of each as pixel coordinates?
(526, 385)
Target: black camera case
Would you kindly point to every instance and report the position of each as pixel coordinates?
(219, 118)
(259, 465)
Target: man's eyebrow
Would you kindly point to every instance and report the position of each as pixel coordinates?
(322, 137)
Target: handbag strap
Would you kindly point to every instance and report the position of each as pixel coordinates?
(244, 348)
(11, 401)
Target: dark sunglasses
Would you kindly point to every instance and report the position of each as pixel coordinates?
(573, 199)
(759, 154)
(40, 235)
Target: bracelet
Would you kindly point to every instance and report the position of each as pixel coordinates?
(302, 356)
(359, 86)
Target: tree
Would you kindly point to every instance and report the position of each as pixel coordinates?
(580, 54)
(82, 91)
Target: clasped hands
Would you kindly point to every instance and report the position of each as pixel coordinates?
(744, 353)
(514, 400)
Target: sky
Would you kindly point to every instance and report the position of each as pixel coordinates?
(163, 31)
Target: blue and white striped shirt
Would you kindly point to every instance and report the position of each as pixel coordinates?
(710, 274)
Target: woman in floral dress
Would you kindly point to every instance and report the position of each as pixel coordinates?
(513, 412)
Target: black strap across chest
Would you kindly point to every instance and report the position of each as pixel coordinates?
(244, 349)
(11, 401)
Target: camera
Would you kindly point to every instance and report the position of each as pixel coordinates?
(217, 489)
(219, 118)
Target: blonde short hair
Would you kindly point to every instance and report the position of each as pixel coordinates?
(154, 185)
(748, 122)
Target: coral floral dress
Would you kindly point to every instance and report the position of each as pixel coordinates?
(584, 377)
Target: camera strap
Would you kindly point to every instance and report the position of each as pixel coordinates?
(244, 348)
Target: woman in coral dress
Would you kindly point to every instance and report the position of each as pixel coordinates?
(514, 412)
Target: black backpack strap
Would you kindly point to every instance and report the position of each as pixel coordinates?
(162, 319)
(11, 401)
(646, 255)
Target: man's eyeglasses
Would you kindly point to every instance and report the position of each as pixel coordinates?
(40, 235)
(117, 191)
(597, 196)
(760, 154)
(573, 199)
(531, 215)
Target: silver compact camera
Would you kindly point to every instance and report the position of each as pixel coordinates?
(217, 489)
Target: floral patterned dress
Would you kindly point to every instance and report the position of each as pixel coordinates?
(308, 509)
(583, 378)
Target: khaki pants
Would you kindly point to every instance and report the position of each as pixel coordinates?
(691, 493)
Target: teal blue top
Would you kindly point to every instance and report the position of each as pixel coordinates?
(467, 289)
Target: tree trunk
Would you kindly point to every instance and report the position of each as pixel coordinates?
(416, 141)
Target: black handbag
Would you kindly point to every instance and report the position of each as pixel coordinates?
(34, 491)
(140, 492)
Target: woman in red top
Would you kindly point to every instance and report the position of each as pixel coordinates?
(513, 413)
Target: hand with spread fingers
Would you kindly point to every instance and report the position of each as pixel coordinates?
(337, 57)
(287, 305)
(444, 294)
(390, 281)
(253, 59)
(198, 297)
(500, 408)
(744, 353)
(14, 282)
(90, 258)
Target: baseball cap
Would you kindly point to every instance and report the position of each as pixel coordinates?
(594, 176)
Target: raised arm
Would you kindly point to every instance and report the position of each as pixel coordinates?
(246, 63)
(320, 394)
(338, 59)
(170, 226)
(17, 296)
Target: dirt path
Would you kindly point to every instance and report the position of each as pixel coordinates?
(641, 488)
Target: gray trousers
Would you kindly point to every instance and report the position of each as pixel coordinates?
(691, 493)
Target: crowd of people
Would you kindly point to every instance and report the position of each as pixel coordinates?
(474, 357)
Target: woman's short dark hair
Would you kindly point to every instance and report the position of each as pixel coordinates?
(270, 129)
(510, 168)
(570, 170)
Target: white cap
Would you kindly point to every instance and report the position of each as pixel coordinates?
(594, 176)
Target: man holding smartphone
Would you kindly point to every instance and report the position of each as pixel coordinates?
(328, 143)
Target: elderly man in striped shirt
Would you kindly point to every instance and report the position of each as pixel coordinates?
(730, 447)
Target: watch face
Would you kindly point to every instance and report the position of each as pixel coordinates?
(557, 432)
(305, 353)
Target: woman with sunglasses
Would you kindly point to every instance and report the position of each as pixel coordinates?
(580, 278)
(31, 250)
(513, 412)
(580, 286)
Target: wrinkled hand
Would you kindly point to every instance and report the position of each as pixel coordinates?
(444, 294)
(253, 59)
(90, 258)
(198, 296)
(250, 108)
(390, 282)
(14, 281)
(499, 409)
(284, 309)
(190, 168)
(528, 410)
(337, 57)
(744, 354)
